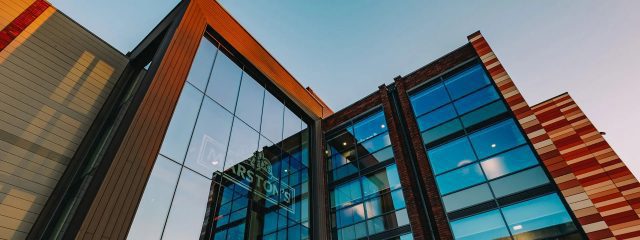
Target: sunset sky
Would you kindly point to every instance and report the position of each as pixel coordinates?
(345, 49)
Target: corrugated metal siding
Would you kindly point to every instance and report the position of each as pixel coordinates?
(54, 78)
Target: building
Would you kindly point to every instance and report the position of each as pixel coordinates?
(199, 133)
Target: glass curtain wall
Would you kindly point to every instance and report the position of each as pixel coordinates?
(366, 198)
(233, 164)
(490, 181)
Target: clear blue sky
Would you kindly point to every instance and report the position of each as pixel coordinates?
(345, 49)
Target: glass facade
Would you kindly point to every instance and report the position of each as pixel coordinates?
(490, 181)
(366, 198)
(233, 163)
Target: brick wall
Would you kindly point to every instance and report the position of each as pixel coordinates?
(591, 174)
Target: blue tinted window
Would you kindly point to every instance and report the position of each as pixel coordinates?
(460, 178)
(377, 157)
(476, 99)
(436, 117)
(272, 118)
(483, 113)
(466, 81)
(249, 107)
(441, 131)
(386, 179)
(373, 145)
(242, 144)
(519, 182)
(451, 155)
(209, 141)
(350, 215)
(370, 127)
(346, 193)
(508, 162)
(184, 116)
(429, 99)
(202, 63)
(467, 198)
(496, 138)
(539, 218)
(487, 225)
(225, 82)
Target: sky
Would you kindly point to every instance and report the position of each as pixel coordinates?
(345, 49)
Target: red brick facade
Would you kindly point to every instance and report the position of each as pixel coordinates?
(611, 192)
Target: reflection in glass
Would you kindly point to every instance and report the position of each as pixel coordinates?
(508, 162)
(476, 99)
(249, 107)
(496, 138)
(487, 225)
(429, 99)
(184, 116)
(436, 117)
(209, 142)
(202, 63)
(540, 218)
(225, 81)
(466, 81)
(481, 114)
(155, 202)
(188, 207)
(373, 144)
(467, 198)
(242, 144)
(272, 118)
(460, 178)
(441, 131)
(370, 127)
(454, 154)
(519, 182)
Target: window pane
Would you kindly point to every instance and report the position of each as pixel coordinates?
(225, 81)
(209, 142)
(242, 145)
(494, 109)
(292, 124)
(249, 107)
(496, 138)
(178, 134)
(343, 171)
(476, 99)
(377, 157)
(451, 155)
(345, 193)
(374, 183)
(436, 117)
(466, 81)
(342, 158)
(384, 204)
(519, 182)
(202, 63)
(429, 99)
(373, 145)
(460, 178)
(370, 127)
(388, 222)
(441, 131)
(350, 215)
(467, 198)
(487, 225)
(188, 208)
(154, 205)
(509, 162)
(540, 218)
(272, 118)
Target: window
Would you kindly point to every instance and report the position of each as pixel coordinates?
(436, 117)
(202, 63)
(193, 182)
(429, 99)
(209, 141)
(370, 127)
(487, 225)
(543, 217)
(508, 162)
(346, 193)
(460, 178)
(476, 99)
(451, 155)
(496, 138)
(479, 115)
(177, 137)
(380, 181)
(467, 198)
(249, 107)
(225, 82)
(519, 182)
(466, 81)
(373, 145)
(442, 131)
(154, 206)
